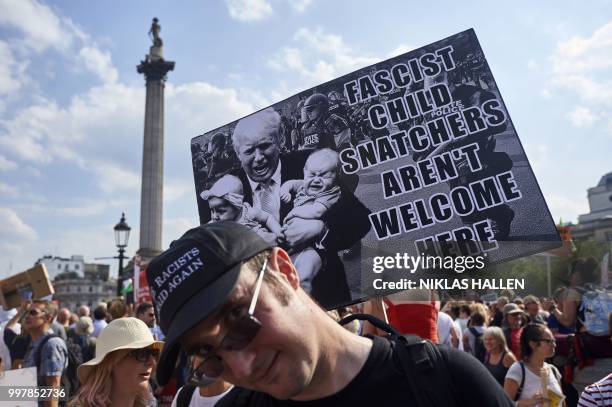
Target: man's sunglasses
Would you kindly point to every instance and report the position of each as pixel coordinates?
(143, 354)
(239, 334)
(35, 312)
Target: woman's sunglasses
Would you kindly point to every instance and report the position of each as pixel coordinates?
(143, 355)
(239, 334)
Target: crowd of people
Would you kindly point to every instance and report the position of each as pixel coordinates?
(248, 334)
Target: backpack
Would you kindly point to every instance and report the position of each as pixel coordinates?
(421, 361)
(184, 396)
(69, 381)
(594, 309)
(479, 349)
(87, 345)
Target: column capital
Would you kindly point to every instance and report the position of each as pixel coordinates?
(155, 70)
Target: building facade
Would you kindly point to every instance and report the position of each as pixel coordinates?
(79, 283)
(71, 291)
(597, 224)
(57, 265)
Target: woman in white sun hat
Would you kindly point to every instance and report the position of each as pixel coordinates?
(126, 355)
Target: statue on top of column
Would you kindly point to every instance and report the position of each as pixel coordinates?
(156, 50)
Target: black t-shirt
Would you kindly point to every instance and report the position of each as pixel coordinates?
(381, 382)
(16, 344)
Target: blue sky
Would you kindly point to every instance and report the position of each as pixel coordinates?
(72, 103)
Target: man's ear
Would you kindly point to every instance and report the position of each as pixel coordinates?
(280, 260)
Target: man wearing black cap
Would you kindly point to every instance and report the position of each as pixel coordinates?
(223, 293)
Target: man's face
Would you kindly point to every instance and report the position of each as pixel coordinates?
(532, 308)
(314, 111)
(514, 320)
(279, 361)
(319, 175)
(36, 317)
(148, 317)
(258, 155)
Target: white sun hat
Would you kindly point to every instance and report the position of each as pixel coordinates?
(122, 333)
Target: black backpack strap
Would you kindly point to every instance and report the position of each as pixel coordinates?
(420, 360)
(475, 332)
(425, 370)
(184, 396)
(371, 319)
(520, 389)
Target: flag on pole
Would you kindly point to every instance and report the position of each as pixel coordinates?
(128, 287)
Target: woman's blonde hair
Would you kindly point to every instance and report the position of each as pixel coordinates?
(481, 309)
(498, 334)
(96, 390)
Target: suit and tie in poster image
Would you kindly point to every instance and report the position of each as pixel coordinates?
(415, 155)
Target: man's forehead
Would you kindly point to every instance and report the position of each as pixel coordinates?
(245, 140)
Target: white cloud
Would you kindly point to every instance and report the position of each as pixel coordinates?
(41, 27)
(12, 74)
(14, 228)
(88, 208)
(566, 208)
(582, 117)
(8, 190)
(99, 62)
(176, 188)
(113, 178)
(300, 5)
(328, 56)
(102, 117)
(6, 164)
(249, 10)
(532, 65)
(173, 228)
(538, 155)
(196, 107)
(546, 93)
(399, 50)
(582, 65)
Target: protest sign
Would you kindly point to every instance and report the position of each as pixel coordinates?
(31, 284)
(415, 156)
(17, 378)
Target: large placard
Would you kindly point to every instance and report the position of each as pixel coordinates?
(413, 156)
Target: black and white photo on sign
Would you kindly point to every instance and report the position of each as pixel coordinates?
(416, 154)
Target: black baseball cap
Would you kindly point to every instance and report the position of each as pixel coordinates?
(194, 277)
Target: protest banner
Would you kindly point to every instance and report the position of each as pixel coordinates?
(31, 284)
(17, 379)
(416, 156)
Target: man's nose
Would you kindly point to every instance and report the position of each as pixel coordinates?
(259, 155)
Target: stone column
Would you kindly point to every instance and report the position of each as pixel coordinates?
(154, 68)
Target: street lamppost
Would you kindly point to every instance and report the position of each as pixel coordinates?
(122, 235)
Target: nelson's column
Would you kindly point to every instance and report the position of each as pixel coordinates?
(154, 68)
